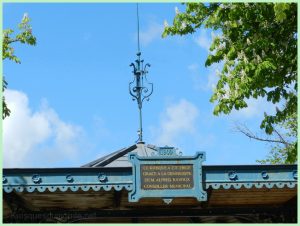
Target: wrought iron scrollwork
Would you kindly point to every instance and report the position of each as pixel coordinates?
(140, 89)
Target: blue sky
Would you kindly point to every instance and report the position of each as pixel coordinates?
(69, 96)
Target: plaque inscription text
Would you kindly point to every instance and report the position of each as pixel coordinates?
(167, 176)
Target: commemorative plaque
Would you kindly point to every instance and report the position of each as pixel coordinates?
(167, 176)
(176, 176)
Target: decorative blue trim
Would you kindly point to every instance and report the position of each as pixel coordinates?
(295, 174)
(261, 176)
(69, 178)
(96, 179)
(232, 175)
(249, 185)
(4, 180)
(65, 180)
(36, 179)
(64, 188)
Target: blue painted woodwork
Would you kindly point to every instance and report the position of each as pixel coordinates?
(168, 157)
(213, 177)
(66, 179)
(258, 176)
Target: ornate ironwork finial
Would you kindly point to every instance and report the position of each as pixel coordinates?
(140, 89)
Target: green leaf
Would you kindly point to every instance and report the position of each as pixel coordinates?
(24, 36)
(260, 40)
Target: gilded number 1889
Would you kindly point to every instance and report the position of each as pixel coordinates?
(166, 152)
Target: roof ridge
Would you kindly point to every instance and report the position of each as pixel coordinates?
(105, 160)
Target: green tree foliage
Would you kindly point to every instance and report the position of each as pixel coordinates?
(283, 141)
(286, 150)
(24, 36)
(258, 46)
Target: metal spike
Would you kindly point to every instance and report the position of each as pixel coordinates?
(142, 89)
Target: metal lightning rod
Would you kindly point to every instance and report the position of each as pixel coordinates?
(142, 89)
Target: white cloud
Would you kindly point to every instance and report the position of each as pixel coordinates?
(42, 135)
(204, 82)
(203, 40)
(177, 119)
(197, 78)
(213, 76)
(153, 32)
(193, 67)
(256, 108)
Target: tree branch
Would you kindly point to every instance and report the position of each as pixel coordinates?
(281, 138)
(13, 40)
(244, 130)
